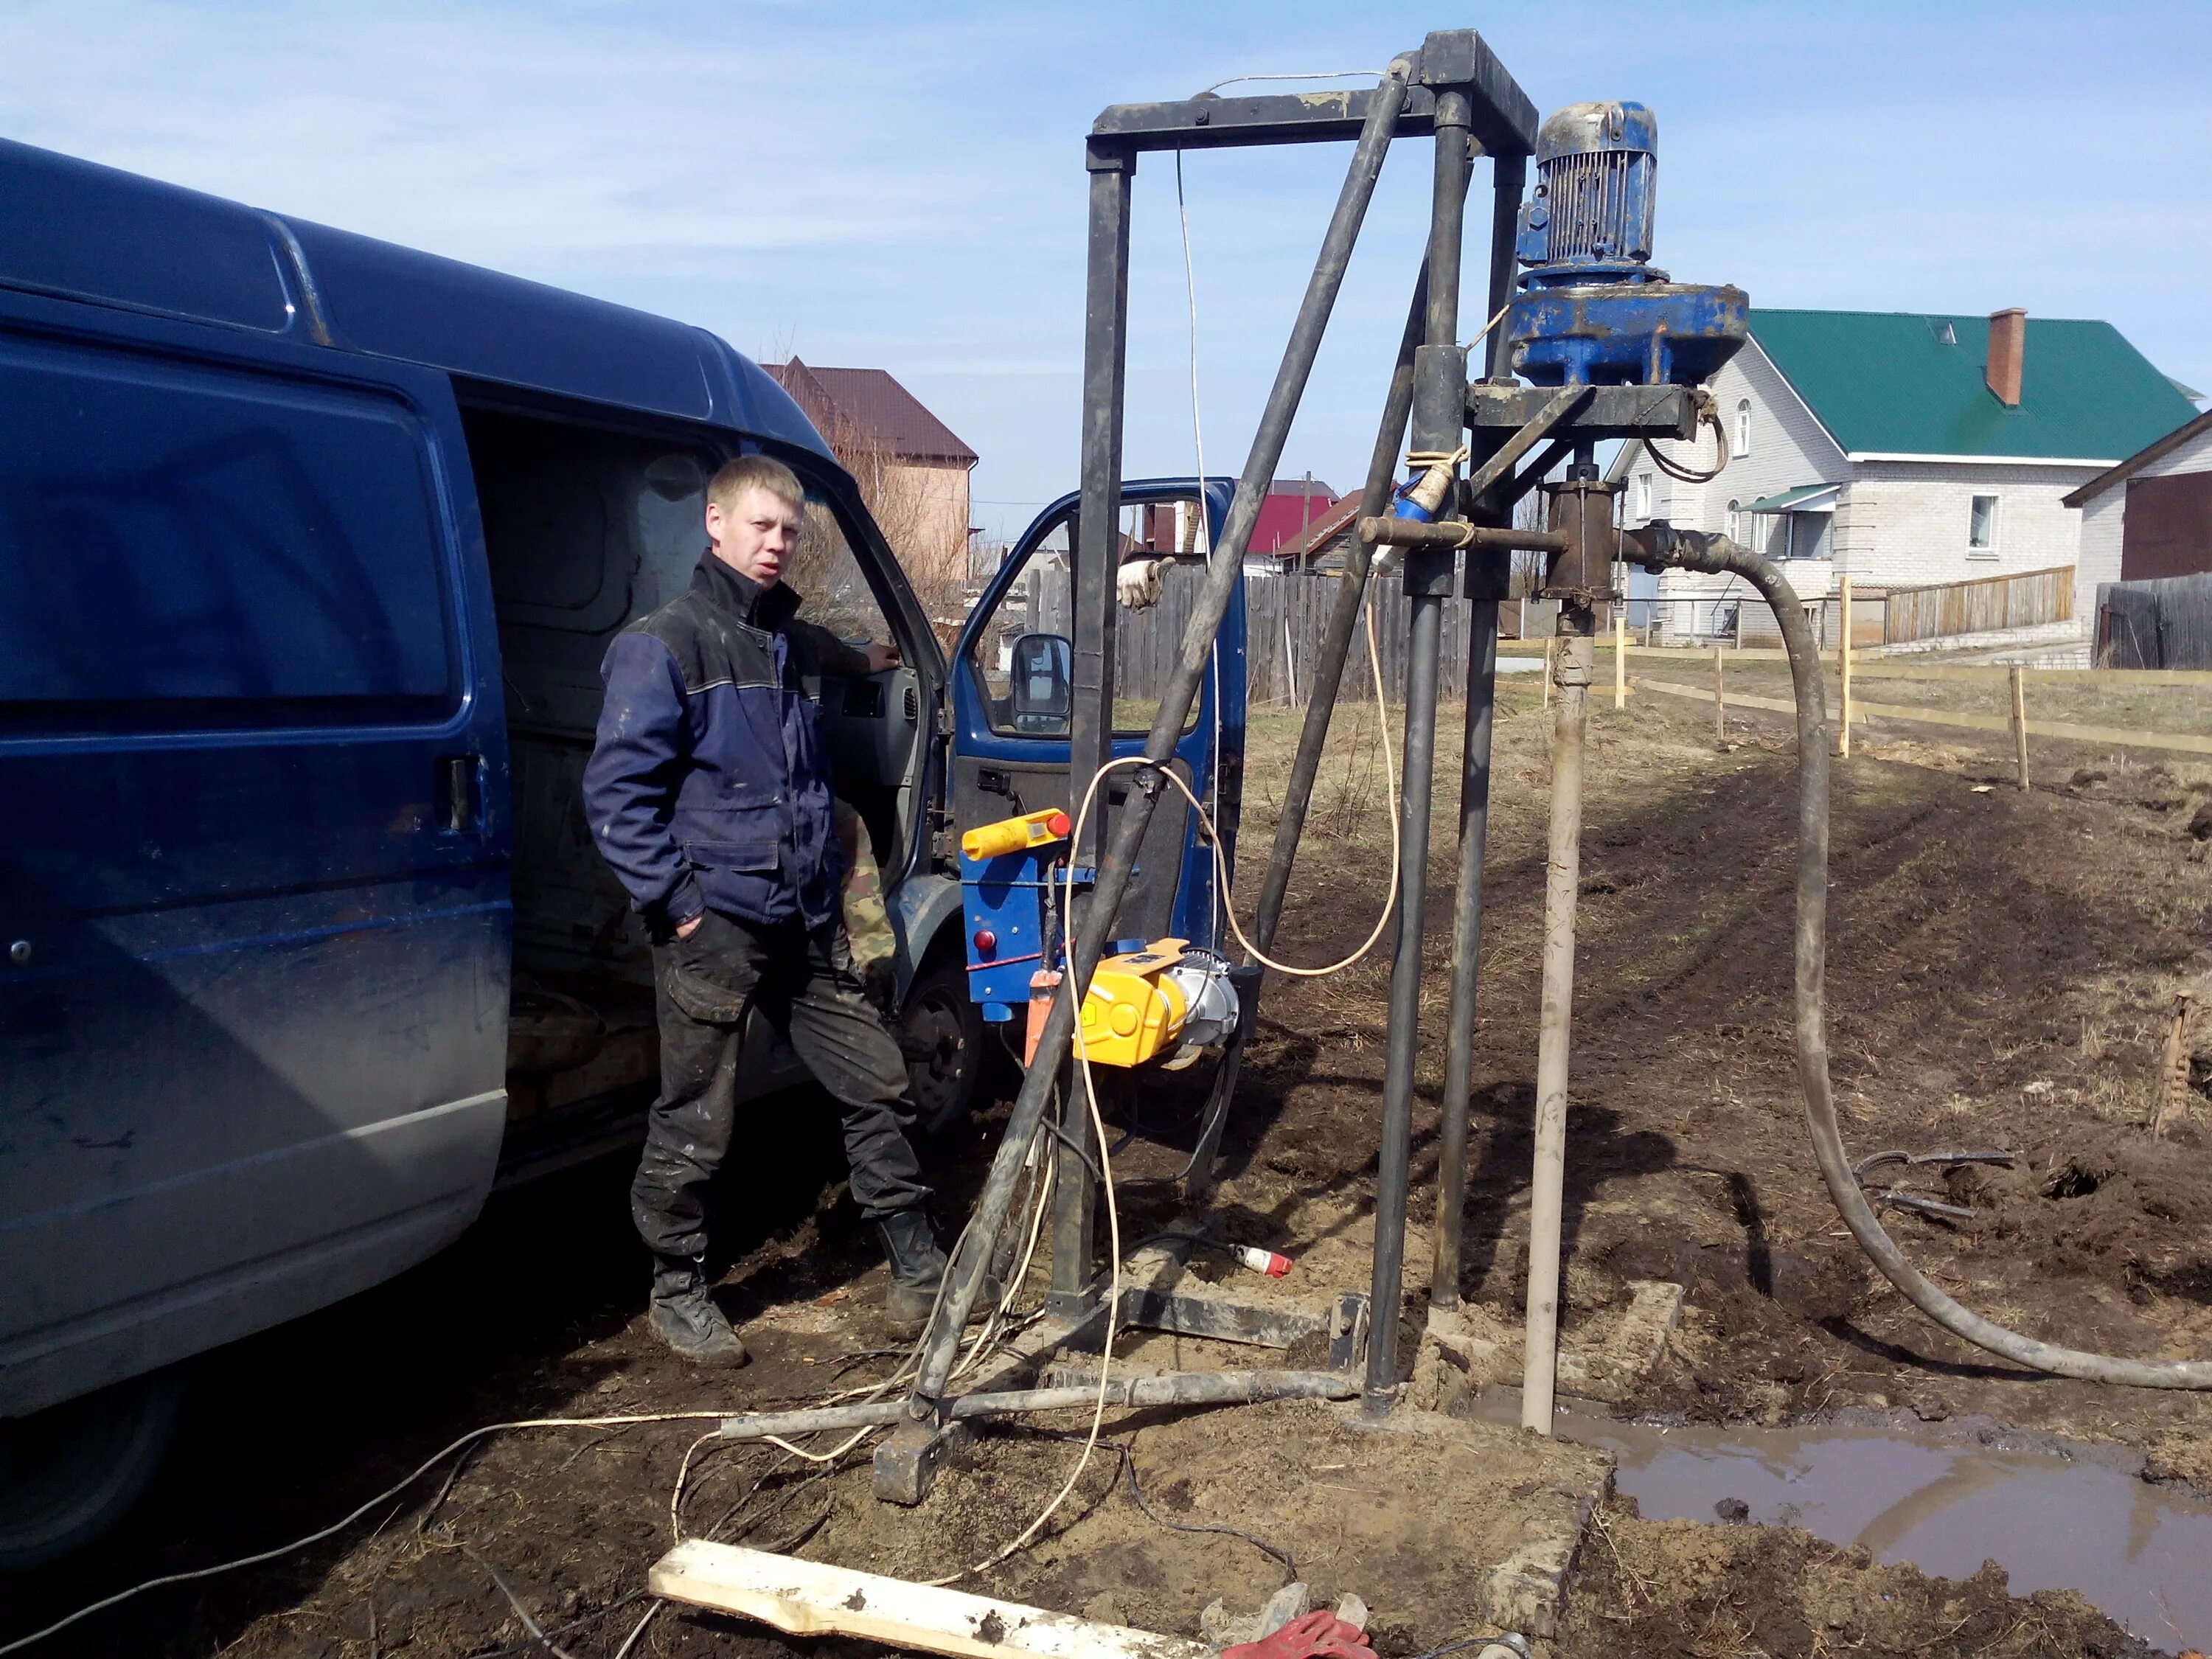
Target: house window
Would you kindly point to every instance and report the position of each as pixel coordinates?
(1982, 524)
(1736, 521)
(1644, 494)
(1743, 427)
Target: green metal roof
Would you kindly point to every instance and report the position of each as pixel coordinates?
(1892, 383)
(1789, 498)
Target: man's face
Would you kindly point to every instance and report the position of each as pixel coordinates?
(756, 536)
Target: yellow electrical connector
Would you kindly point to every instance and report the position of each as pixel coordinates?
(1133, 1012)
(1015, 834)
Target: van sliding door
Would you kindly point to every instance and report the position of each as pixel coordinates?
(253, 895)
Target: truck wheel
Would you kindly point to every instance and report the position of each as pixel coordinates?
(941, 1034)
(70, 1472)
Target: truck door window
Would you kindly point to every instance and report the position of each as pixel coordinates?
(829, 579)
(1033, 626)
(183, 546)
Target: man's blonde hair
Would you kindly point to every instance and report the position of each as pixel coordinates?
(755, 472)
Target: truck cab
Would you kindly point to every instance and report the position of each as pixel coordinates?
(310, 547)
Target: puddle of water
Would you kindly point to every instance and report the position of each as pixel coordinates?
(2141, 1553)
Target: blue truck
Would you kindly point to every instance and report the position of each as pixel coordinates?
(310, 547)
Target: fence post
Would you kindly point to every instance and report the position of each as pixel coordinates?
(1551, 642)
(2020, 721)
(1843, 658)
(1620, 656)
(1720, 699)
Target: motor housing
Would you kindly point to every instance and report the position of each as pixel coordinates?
(1592, 310)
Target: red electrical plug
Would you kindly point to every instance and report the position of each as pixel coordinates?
(1261, 1262)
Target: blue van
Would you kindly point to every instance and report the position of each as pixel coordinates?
(309, 546)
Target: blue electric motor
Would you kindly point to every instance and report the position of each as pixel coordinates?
(1591, 310)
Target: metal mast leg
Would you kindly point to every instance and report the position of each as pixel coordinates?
(1327, 676)
(1485, 583)
(1105, 356)
(901, 1464)
(1439, 419)
(1467, 949)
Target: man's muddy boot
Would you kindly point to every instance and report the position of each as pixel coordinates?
(684, 1316)
(918, 1267)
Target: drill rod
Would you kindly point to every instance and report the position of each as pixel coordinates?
(1562, 880)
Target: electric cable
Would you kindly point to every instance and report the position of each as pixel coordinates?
(1129, 1467)
(1717, 555)
(530, 1643)
(1708, 414)
(1317, 74)
(393, 1490)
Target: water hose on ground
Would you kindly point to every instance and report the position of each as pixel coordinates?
(1660, 547)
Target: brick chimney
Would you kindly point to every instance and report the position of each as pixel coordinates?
(2008, 350)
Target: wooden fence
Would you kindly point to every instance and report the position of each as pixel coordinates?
(1285, 618)
(1982, 606)
(2164, 621)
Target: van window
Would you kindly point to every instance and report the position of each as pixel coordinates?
(182, 545)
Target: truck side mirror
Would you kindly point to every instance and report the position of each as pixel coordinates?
(1043, 674)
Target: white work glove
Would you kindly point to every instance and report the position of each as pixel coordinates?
(1138, 583)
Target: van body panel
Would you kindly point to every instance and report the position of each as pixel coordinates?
(253, 887)
(77, 229)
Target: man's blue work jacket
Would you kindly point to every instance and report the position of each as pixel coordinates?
(709, 787)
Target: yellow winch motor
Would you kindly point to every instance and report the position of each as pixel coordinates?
(1156, 1001)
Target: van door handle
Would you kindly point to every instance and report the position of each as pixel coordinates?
(454, 793)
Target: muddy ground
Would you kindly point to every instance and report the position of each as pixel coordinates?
(2003, 967)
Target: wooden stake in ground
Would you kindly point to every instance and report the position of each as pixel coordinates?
(2020, 721)
(1620, 656)
(1549, 646)
(1720, 700)
(2173, 1075)
(1843, 659)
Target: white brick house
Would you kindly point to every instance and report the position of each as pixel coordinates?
(1903, 449)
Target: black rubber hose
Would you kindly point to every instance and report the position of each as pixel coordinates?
(1660, 547)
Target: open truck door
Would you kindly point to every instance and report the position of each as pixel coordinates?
(1012, 697)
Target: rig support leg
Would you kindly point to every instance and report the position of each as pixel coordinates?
(1484, 582)
(1467, 949)
(1563, 875)
(1439, 419)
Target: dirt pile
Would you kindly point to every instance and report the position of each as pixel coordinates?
(1662, 1589)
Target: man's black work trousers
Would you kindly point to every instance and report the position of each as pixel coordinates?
(803, 982)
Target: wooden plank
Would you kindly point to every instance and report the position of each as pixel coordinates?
(813, 1598)
(1993, 673)
(2178, 742)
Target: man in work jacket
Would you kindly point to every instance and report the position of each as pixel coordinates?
(708, 793)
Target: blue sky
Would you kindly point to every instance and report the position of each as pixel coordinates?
(901, 186)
